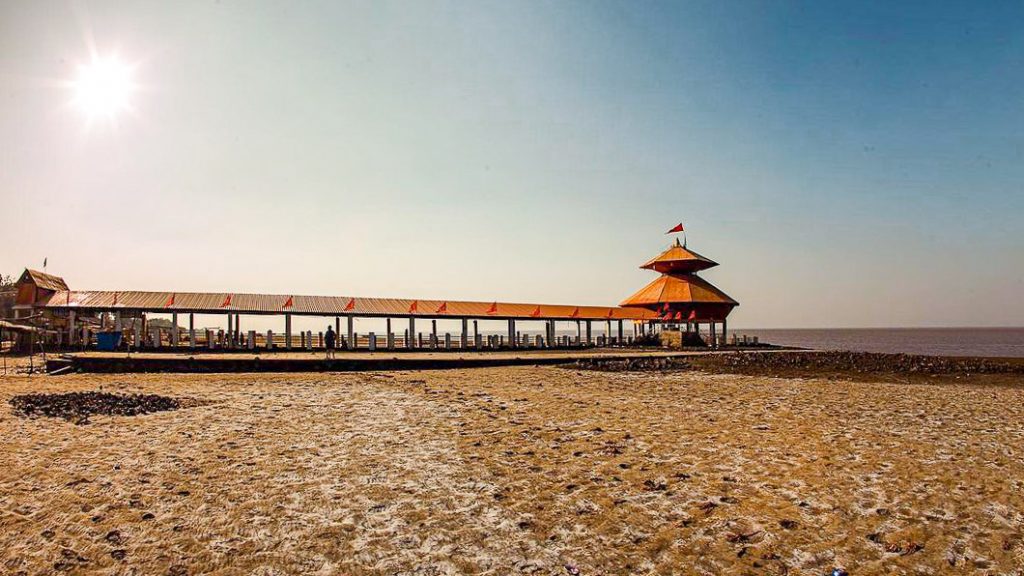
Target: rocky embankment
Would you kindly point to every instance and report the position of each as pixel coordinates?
(843, 363)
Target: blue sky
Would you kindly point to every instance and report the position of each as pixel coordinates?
(848, 164)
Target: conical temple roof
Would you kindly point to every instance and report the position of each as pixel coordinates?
(678, 258)
(678, 289)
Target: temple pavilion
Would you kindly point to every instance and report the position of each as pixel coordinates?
(679, 296)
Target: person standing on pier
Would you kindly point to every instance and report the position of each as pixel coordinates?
(330, 339)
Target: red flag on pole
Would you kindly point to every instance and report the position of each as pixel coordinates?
(679, 316)
(493, 309)
(350, 306)
(227, 302)
(536, 312)
(575, 313)
(289, 302)
(692, 316)
(170, 301)
(676, 228)
(443, 308)
(415, 306)
(667, 316)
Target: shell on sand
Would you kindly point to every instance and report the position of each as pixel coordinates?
(535, 470)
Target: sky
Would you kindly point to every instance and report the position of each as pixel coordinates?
(847, 163)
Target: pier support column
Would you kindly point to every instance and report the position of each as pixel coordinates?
(71, 328)
(351, 333)
(390, 335)
(287, 331)
(410, 341)
(589, 334)
(433, 333)
(174, 329)
(476, 335)
(621, 341)
(191, 330)
(725, 332)
(712, 334)
(337, 328)
(464, 337)
(608, 332)
(512, 333)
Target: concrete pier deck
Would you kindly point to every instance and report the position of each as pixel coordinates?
(100, 362)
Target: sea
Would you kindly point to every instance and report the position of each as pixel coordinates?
(988, 342)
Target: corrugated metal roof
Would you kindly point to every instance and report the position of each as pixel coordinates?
(678, 289)
(678, 258)
(220, 302)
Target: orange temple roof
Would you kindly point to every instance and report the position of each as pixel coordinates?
(678, 289)
(678, 258)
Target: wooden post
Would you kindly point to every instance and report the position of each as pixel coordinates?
(621, 341)
(287, 331)
(390, 335)
(464, 337)
(337, 328)
(476, 335)
(351, 334)
(409, 342)
(725, 332)
(433, 333)
(191, 330)
(511, 332)
(589, 334)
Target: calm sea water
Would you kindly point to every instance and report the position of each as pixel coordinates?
(1003, 342)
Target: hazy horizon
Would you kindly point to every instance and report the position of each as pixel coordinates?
(848, 165)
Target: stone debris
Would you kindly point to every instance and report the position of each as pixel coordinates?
(640, 364)
(77, 407)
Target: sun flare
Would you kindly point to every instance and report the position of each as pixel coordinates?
(103, 87)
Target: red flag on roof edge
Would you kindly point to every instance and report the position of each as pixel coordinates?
(289, 302)
(611, 311)
(493, 309)
(226, 302)
(414, 306)
(575, 313)
(350, 306)
(170, 301)
(692, 316)
(676, 228)
(443, 308)
(115, 298)
(536, 312)
(679, 316)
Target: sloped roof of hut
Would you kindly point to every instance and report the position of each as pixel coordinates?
(43, 280)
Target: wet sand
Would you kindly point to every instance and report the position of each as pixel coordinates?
(517, 470)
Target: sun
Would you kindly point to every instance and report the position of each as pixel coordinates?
(103, 87)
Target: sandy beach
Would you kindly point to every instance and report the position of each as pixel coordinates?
(517, 470)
